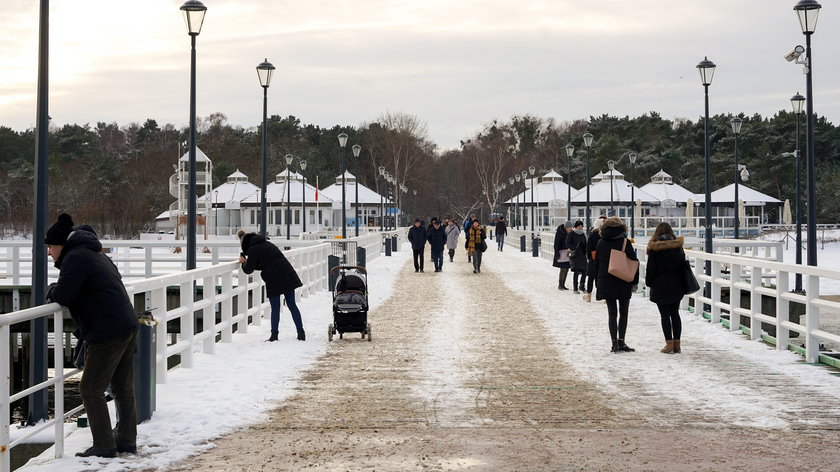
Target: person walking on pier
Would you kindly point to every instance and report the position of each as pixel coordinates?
(591, 244)
(280, 278)
(417, 238)
(576, 242)
(663, 274)
(501, 232)
(91, 287)
(615, 291)
(561, 254)
(437, 242)
(452, 233)
(476, 245)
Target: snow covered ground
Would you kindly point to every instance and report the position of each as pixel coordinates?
(721, 379)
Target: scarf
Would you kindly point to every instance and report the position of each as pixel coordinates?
(475, 239)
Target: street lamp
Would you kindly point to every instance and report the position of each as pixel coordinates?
(570, 151)
(342, 141)
(808, 12)
(381, 200)
(587, 141)
(356, 151)
(736, 129)
(611, 165)
(193, 12)
(524, 175)
(264, 72)
(303, 194)
(414, 192)
(216, 212)
(511, 220)
(389, 179)
(797, 101)
(707, 72)
(518, 207)
(632, 156)
(289, 159)
(531, 171)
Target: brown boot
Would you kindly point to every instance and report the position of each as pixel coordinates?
(669, 347)
(677, 346)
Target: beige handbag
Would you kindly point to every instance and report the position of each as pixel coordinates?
(622, 266)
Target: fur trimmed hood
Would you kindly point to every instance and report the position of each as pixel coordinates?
(664, 244)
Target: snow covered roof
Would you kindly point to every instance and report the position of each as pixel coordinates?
(366, 195)
(281, 176)
(237, 177)
(750, 196)
(199, 156)
(599, 191)
(662, 186)
(547, 190)
(236, 189)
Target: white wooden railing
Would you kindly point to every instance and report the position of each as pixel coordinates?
(237, 297)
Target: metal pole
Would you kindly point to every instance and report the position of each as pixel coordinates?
(612, 205)
(303, 201)
(264, 189)
(357, 197)
(191, 211)
(533, 208)
(632, 202)
(798, 208)
(38, 326)
(569, 189)
(737, 201)
(288, 202)
(588, 182)
(708, 170)
(381, 206)
(810, 158)
(343, 197)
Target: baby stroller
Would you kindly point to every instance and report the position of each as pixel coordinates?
(350, 303)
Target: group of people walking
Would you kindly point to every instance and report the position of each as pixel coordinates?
(588, 257)
(444, 235)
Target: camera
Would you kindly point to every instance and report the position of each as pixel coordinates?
(794, 55)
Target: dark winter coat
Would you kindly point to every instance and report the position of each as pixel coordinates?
(663, 274)
(276, 271)
(577, 250)
(417, 237)
(591, 244)
(436, 238)
(501, 228)
(90, 285)
(610, 286)
(559, 245)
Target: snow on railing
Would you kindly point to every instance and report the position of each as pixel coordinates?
(238, 296)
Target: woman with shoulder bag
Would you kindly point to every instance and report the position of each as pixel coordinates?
(576, 242)
(665, 261)
(561, 254)
(476, 245)
(615, 291)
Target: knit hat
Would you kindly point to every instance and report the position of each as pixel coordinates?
(567, 224)
(58, 232)
(597, 223)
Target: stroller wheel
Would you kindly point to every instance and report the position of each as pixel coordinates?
(340, 335)
(369, 336)
(330, 332)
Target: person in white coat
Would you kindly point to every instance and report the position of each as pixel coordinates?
(452, 233)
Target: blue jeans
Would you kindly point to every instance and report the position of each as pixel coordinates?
(275, 311)
(500, 240)
(437, 257)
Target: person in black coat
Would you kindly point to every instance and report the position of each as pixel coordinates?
(663, 274)
(417, 238)
(280, 278)
(591, 244)
(91, 287)
(501, 232)
(561, 253)
(615, 291)
(576, 242)
(437, 240)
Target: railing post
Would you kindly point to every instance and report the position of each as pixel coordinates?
(187, 322)
(756, 275)
(208, 314)
(734, 298)
(15, 265)
(242, 301)
(148, 262)
(58, 402)
(782, 310)
(227, 307)
(160, 312)
(715, 295)
(812, 318)
(5, 410)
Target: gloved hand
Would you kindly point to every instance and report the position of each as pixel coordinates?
(50, 289)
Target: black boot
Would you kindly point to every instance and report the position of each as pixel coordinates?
(272, 338)
(624, 347)
(563, 274)
(614, 346)
(301, 335)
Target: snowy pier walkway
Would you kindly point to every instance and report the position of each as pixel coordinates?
(490, 371)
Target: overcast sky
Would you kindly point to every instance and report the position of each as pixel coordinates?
(455, 64)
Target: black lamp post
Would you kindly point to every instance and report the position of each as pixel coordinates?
(736, 129)
(611, 165)
(389, 180)
(808, 12)
(303, 194)
(381, 200)
(570, 151)
(707, 72)
(342, 141)
(289, 159)
(193, 12)
(531, 171)
(524, 175)
(264, 72)
(632, 156)
(518, 210)
(511, 214)
(414, 193)
(587, 141)
(356, 151)
(798, 101)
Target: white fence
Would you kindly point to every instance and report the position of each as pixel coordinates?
(227, 291)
